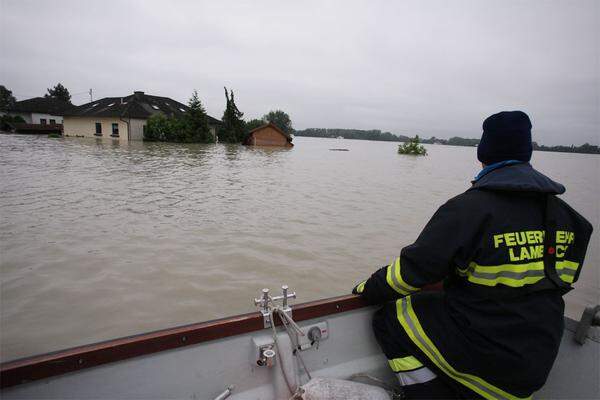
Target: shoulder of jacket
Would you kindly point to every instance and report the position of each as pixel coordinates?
(570, 210)
(470, 198)
(473, 205)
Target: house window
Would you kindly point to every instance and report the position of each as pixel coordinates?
(43, 121)
(52, 122)
(98, 129)
(115, 130)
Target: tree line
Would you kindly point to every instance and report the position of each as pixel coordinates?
(585, 148)
(458, 141)
(377, 135)
(373, 134)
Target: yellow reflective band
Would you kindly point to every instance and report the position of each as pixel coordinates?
(404, 364)
(517, 268)
(409, 321)
(506, 281)
(516, 275)
(394, 279)
(361, 287)
(566, 264)
(398, 275)
(566, 270)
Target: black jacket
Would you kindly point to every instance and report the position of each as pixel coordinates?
(501, 315)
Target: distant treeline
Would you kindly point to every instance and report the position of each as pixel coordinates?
(376, 134)
(453, 141)
(584, 148)
(373, 134)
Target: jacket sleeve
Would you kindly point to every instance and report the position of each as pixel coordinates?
(449, 240)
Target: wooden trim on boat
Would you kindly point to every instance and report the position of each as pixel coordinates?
(78, 358)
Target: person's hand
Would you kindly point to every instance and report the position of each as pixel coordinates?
(358, 289)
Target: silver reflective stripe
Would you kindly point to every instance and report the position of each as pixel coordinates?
(566, 271)
(397, 282)
(413, 377)
(442, 363)
(507, 274)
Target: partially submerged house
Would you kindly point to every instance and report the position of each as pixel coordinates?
(268, 135)
(40, 110)
(123, 118)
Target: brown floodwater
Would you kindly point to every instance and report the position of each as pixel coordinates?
(101, 240)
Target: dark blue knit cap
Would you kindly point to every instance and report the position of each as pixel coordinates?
(506, 136)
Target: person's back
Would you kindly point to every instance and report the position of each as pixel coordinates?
(496, 328)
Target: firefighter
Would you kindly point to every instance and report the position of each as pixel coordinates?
(507, 250)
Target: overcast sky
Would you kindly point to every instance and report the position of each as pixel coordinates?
(427, 67)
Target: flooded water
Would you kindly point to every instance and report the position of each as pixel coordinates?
(101, 240)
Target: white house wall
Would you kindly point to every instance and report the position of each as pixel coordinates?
(136, 129)
(86, 127)
(36, 117)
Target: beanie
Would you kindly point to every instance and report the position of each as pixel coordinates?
(506, 136)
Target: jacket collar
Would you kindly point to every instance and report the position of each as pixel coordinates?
(491, 167)
(517, 177)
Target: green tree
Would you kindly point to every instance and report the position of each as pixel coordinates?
(158, 128)
(7, 100)
(177, 130)
(196, 122)
(192, 127)
(253, 124)
(412, 147)
(232, 129)
(59, 92)
(7, 122)
(281, 119)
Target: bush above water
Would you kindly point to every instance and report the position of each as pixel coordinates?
(412, 147)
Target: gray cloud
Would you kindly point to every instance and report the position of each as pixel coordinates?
(427, 67)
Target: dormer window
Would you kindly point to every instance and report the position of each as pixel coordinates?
(155, 107)
(110, 105)
(182, 110)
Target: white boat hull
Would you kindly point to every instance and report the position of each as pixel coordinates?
(205, 370)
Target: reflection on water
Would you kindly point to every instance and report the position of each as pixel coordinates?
(100, 240)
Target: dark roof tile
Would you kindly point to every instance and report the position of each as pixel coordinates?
(137, 105)
(46, 105)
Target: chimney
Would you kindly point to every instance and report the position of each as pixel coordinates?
(138, 93)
